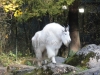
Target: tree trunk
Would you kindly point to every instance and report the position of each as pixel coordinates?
(74, 27)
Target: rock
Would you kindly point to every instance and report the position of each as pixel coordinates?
(93, 62)
(94, 59)
(89, 48)
(53, 69)
(47, 69)
(3, 71)
(88, 56)
(22, 71)
(59, 59)
(61, 68)
(17, 69)
(93, 71)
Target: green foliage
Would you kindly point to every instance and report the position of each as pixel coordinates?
(6, 59)
(26, 9)
(71, 53)
(39, 8)
(73, 60)
(11, 54)
(29, 63)
(10, 58)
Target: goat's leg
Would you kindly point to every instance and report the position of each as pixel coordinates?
(51, 54)
(53, 60)
(39, 57)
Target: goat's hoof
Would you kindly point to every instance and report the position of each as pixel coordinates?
(54, 63)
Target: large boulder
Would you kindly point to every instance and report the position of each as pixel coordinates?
(88, 56)
(92, 71)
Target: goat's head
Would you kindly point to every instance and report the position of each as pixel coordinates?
(66, 36)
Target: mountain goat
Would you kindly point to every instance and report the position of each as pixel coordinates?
(50, 38)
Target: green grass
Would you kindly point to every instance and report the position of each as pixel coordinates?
(9, 58)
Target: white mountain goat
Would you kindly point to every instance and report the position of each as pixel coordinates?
(50, 39)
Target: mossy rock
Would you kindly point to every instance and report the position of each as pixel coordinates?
(40, 71)
(79, 60)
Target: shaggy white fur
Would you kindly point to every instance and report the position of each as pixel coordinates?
(50, 39)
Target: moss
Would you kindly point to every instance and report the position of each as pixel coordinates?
(87, 57)
(79, 60)
(74, 60)
(40, 71)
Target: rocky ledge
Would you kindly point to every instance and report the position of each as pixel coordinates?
(85, 62)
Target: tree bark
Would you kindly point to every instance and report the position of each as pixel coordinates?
(74, 27)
